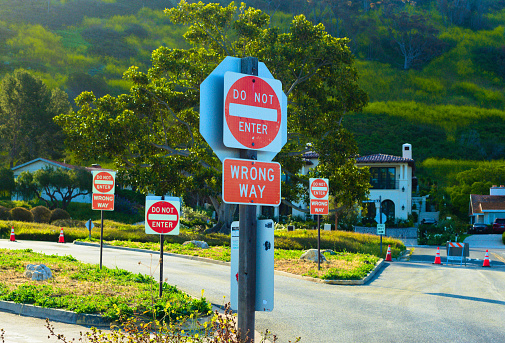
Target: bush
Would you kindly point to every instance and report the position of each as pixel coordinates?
(4, 213)
(21, 214)
(41, 214)
(68, 223)
(58, 213)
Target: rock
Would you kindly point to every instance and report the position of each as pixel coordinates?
(311, 255)
(198, 244)
(38, 272)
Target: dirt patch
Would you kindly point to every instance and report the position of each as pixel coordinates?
(304, 267)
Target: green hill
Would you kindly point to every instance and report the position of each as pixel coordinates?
(448, 101)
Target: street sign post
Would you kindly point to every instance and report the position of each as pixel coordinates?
(247, 123)
(89, 225)
(162, 218)
(252, 112)
(251, 182)
(102, 198)
(319, 191)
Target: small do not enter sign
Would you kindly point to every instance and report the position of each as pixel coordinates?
(162, 217)
(103, 182)
(319, 188)
(252, 112)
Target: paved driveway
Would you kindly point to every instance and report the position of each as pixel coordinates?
(404, 302)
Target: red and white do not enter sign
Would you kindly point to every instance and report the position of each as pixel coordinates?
(319, 188)
(103, 182)
(162, 217)
(252, 112)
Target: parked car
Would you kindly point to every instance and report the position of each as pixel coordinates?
(479, 228)
(499, 225)
(429, 221)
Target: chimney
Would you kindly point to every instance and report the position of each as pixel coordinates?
(95, 165)
(497, 190)
(407, 150)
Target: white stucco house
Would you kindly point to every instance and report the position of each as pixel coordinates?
(40, 163)
(392, 181)
(486, 208)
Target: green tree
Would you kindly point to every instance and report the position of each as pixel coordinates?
(26, 118)
(474, 181)
(7, 185)
(54, 185)
(152, 132)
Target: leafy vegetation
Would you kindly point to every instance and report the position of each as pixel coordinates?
(113, 293)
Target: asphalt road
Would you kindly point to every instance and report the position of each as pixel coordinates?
(409, 301)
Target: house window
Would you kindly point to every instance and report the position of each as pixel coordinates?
(383, 178)
(388, 208)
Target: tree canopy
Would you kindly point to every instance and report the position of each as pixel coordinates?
(152, 133)
(54, 186)
(27, 108)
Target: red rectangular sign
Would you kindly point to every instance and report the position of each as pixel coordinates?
(319, 206)
(251, 182)
(103, 202)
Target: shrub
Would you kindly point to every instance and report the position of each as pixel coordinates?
(58, 213)
(4, 213)
(41, 214)
(68, 223)
(21, 214)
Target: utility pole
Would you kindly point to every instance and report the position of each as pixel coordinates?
(247, 243)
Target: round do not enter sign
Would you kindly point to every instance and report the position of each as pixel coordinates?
(252, 111)
(162, 217)
(319, 188)
(103, 182)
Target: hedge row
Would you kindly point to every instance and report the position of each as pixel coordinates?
(39, 214)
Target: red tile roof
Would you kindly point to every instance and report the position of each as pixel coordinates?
(383, 158)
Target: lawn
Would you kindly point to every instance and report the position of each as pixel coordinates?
(84, 288)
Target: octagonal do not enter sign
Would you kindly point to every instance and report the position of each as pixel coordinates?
(162, 215)
(252, 112)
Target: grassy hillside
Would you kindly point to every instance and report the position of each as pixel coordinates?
(449, 105)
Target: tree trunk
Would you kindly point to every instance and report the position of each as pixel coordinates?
(225, 213)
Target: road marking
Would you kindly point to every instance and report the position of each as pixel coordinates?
(498, 257)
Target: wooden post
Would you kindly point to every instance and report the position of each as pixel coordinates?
(247, 244)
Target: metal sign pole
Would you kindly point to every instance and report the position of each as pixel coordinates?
(101, 239)
(161, 264)
(380, 218)
(318, 243)
(247, 244)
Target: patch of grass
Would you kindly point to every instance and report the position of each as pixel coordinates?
(83, 288)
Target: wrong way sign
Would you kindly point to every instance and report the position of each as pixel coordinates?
(162, 215)
(251, 182)
(252, 112)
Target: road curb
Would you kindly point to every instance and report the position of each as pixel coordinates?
(195, 258)
(54, 314)
(378, 265)
(363, 281)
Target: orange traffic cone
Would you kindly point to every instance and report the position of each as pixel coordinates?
(388, 254)
(437, 257)
(13, 237)
(486, 260)
(62, 238)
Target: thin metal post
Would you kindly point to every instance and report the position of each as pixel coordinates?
(247, 244)
(101, 239)
(380, 218)
(162, 238)
(318, 243)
